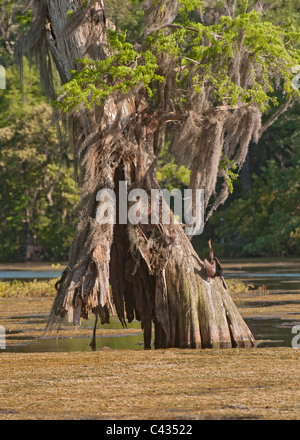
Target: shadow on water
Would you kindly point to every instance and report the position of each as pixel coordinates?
(268, 332)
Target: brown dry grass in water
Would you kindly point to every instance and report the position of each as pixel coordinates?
(283, 307)
(163, 384)
(17, 302)
(171, 384)
(268, 304)
(14, 310)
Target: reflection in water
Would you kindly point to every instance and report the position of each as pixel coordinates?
(279, 278)
(119, 340)
(131, 342)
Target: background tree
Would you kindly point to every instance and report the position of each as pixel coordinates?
(8, 29)
(37, 188)
(199, 88)
(264, 221)
(261, 216)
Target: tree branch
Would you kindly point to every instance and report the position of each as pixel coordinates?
(159, 13)
(172, 116)
(177, 26)
(189, 28)
(192, 61)
(274, 117)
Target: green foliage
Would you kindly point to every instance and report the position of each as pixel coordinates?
(278, 11)
(19, 97)
(9, 10)
(187, 8)
(25, 289)
(25, 20)
(208, 51)
(38, 195)
(269, 51)
(128, 16)
(169, 175)
(122, 71)
(266, 220)
(229, 167)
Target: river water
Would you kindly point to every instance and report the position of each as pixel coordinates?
(271, 308)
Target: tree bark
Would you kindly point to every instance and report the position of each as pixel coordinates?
(149, 272)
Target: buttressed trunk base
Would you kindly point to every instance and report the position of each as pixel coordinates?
(149, 272)
(146, 272)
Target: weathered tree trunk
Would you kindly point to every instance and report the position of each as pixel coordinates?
(169, 286)
(152, 270)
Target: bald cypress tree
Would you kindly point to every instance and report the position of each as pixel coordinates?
(200, 89)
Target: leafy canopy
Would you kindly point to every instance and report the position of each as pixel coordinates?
(125, 69)
(203, 56)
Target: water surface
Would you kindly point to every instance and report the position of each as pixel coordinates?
(29, 274)
(279, 284)
(270, 326)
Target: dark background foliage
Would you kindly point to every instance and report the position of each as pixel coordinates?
(38, 193)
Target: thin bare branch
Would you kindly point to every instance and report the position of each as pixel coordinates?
(177, 26)
(271, 121)
(172, 116)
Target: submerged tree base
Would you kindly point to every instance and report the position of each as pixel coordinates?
(188, 309)
(192, 87)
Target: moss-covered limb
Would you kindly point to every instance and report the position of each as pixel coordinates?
(153, 269)
(165, 284)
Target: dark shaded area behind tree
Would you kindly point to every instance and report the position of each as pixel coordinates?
(38, 193)
(37, 186)
(262, 216)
